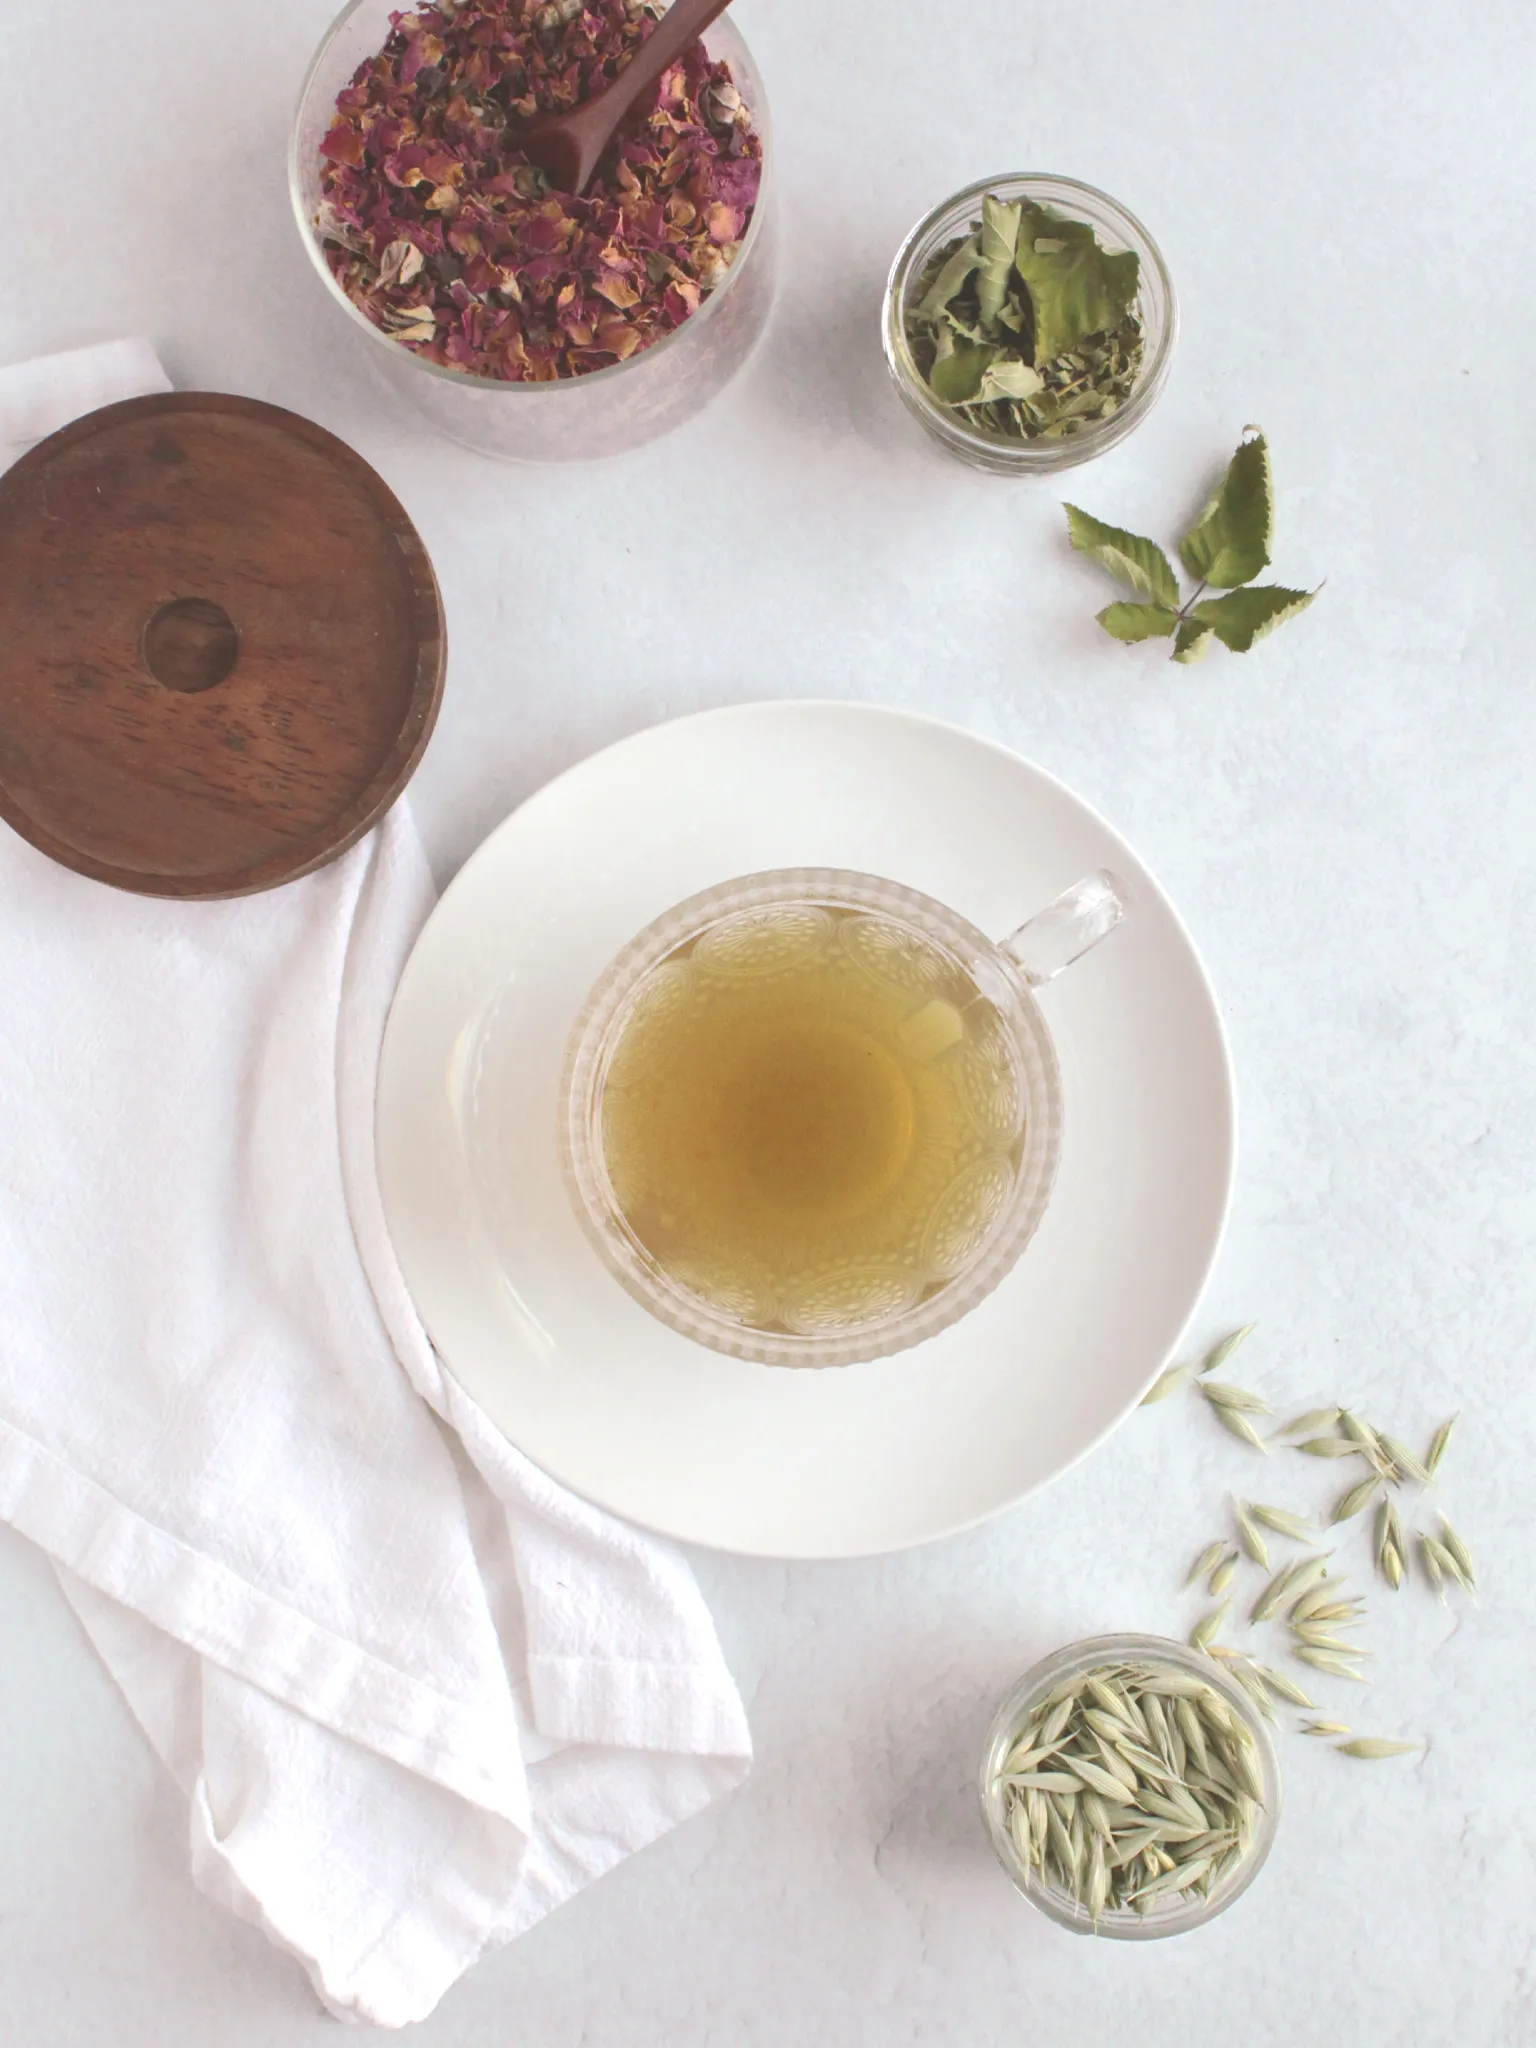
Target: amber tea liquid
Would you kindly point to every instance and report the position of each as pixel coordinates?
(812, 1117)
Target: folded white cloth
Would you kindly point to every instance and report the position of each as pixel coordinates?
(40, 396)
(416, 1694)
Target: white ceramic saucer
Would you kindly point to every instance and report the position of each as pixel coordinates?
(855, 1459)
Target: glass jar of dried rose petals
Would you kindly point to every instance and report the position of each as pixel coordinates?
(523, 322)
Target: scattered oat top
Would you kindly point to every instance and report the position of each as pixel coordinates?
(440, 231)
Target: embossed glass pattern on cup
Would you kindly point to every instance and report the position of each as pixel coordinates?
(1002, 1067)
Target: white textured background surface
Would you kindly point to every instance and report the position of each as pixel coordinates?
(1347, 818)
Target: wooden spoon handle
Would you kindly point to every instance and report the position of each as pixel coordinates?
(683, 23)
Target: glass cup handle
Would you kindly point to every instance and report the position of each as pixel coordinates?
(1065, 930)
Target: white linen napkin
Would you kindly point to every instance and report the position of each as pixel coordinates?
(40, 396)
(416, 1694)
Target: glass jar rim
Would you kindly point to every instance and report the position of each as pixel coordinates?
(468, 379)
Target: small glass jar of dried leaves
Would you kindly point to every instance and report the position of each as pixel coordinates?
(1129, 1787)
(1029, 323)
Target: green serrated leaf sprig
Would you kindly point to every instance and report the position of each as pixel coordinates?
(1224, 550)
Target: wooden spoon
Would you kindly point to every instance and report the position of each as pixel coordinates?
(568, 147)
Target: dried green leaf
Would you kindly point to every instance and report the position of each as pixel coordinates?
(1374, 1747)
(1076, 288)
(1220, 1352)
(999, 233)
(1242, 617)
(954, 275)
(956, 378)
(1133, 622)
(1129, 557)
(1007, 377)
(1230, 542)
(1191, 643)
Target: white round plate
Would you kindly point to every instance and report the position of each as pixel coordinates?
(852, 1460)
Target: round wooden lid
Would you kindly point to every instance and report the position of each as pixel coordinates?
(222, 649)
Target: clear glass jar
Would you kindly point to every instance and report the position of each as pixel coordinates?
(1116, 229)
(573, 419)
(1179, 1913)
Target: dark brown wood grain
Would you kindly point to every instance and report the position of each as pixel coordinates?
(222, 646)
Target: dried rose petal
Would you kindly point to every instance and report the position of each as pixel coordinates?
(342, 145)
(448, 239)
(736, 180)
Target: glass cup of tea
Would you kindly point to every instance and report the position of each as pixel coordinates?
(812, 1117)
